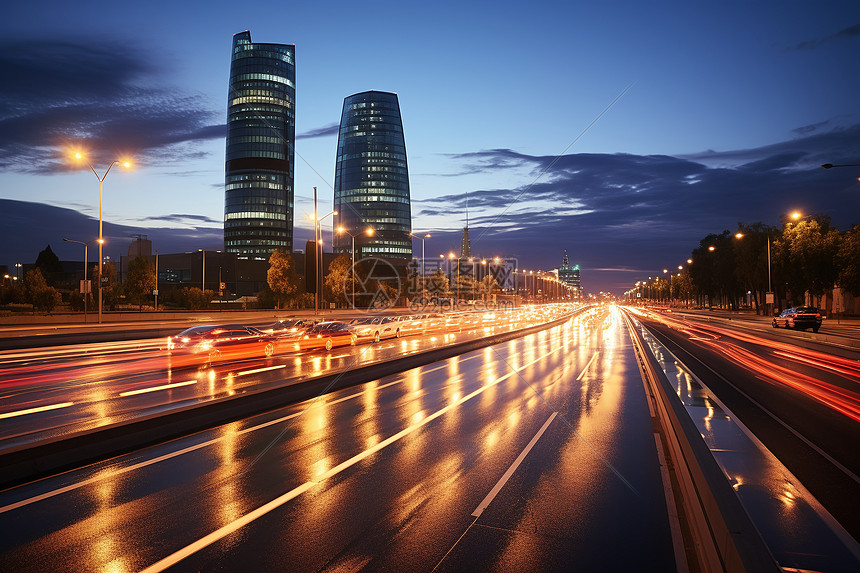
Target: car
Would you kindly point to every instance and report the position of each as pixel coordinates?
(375, 328)
(328, 335)
(213, 342)
(291, 327)
(799, 317)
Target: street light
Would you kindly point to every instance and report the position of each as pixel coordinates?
(101, 179)
(451, 256)
(423, 277)
(369, 232)
(86, 283)
(203, 273)
(831, 166)
(318, 249)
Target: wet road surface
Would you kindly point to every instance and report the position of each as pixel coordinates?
(533, 455)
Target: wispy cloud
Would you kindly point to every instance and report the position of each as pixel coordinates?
(185, 218)
(325, 131)
(63, 93)
(844, 34)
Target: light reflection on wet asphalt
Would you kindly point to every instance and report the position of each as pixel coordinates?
(386, 475)
(91, 386)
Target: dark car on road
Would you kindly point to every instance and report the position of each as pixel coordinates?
(799, 317)
(213, 342)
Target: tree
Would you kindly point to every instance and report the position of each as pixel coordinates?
(110, 286)
(39, 294)
(281, 276)
(751, 259)
(196, 299)
(339, 280)
(140, 281)
(808, 251)
(49, 264)
(848, 261)
(712, 271)
(489, 284)
(438, 285)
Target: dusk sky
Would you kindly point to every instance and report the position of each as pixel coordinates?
(621, 131)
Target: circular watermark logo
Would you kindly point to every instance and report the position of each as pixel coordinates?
(372, 284)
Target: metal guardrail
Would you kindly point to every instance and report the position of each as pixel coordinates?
(722, 536)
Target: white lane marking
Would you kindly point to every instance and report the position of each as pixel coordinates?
(157, 388)
(35, 410)
(258, 370)
(177, 556)
(507, 475)
(136, 466)
(190, 449)
(587, 366)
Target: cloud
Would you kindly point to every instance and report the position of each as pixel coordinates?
(620, 211)
(487, 160)
(186, 218)
(63, 93)
(846, 33)
(325, 131)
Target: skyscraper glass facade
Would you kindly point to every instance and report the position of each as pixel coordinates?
(371, 181)
(261, 133)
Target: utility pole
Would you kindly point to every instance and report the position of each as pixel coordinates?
(316, 257)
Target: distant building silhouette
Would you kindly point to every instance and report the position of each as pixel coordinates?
(569, 275)
(261, 134)
(371, 181)
(466, 244)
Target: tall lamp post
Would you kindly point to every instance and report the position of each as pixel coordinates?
(423, 276)
(768, 300)
(369, 231)
(318, 298)
(203, 272)
(451, 256)
(86, 283)
(101, 196)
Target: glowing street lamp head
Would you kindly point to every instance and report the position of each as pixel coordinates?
(739, 235)
(712, 248)
(689, 261)
(796, 215)
(370, 231)
(340, 229)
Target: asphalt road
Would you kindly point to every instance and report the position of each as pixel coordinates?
(802, 403)
(53, 391)
(533, 455)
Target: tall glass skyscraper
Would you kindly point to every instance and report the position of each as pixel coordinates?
(261, 133)
(371, 180)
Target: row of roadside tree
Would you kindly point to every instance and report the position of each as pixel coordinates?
(801, 262)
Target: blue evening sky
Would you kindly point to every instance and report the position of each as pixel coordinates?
(726, 111)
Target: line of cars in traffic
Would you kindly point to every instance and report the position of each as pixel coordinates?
(217, 342)
(206, 344)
